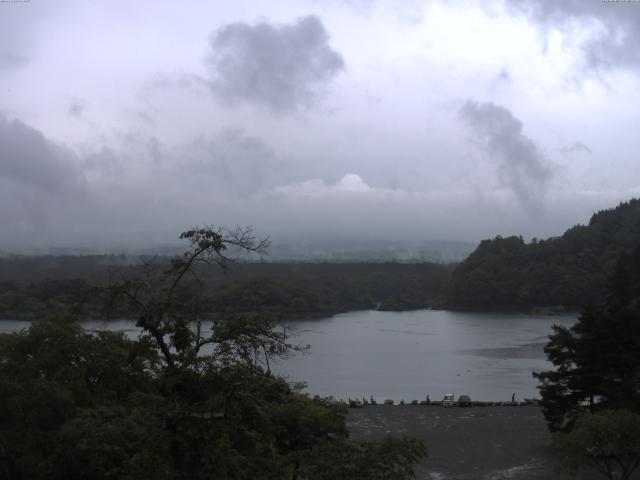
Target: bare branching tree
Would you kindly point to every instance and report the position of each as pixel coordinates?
(168, 312)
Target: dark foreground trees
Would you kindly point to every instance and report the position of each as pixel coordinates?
(597, 361)
(181, 401)
(607, 441)
(592, 398)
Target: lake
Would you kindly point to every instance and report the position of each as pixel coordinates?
(409, 355)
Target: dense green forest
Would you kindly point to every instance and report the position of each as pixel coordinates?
(32, 286)
(567, 271)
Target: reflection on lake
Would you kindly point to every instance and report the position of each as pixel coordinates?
(407, 355)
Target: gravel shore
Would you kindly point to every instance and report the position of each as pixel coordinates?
(475, 443)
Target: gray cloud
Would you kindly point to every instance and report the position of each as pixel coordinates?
(152, 154)
(10, 59)
(575, 147)
(615, 44)
(177, 80)
(106, 161)
(21, 28)
(281, 67)
(140, 192)
(39, 183)
(28, 158)
(76, 108)
(232, 162)
(521, 165)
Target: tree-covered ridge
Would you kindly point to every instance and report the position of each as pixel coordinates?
(567, 271)
(30, 287)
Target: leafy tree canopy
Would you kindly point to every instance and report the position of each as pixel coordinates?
(607, 441)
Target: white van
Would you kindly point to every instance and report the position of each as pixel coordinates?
(448, 400)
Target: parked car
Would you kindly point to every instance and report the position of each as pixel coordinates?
(464, 401)
(448, 400)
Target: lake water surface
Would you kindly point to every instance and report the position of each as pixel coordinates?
(409, 355)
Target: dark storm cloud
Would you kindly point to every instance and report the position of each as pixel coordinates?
(280, 67)
(29, 159)
(616, 45)
(521, 165)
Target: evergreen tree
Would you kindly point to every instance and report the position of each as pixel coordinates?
(597, 361)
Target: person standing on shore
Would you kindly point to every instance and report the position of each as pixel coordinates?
(513, 398)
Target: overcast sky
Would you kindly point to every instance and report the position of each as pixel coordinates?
(126, 122)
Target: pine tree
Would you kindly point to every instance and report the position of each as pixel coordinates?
(597, 361)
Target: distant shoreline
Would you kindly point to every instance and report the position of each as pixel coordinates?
(318, 315)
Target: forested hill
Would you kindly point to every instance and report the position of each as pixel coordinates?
(32, 287)
(568, 271)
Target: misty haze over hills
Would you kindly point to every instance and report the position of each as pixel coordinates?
(369, 250)
(307, 250)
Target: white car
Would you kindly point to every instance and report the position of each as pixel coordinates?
(448, 400)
